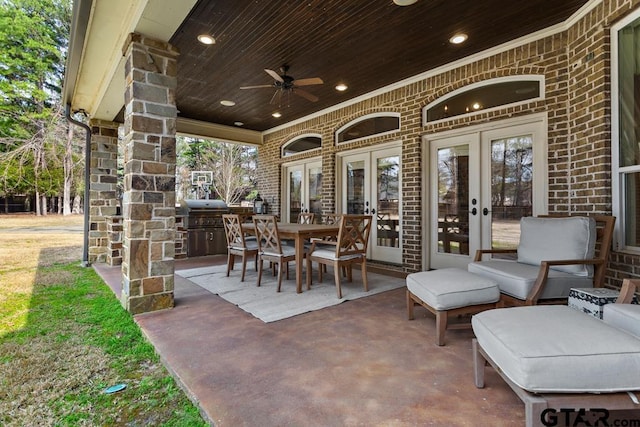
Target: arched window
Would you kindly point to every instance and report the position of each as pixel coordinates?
(486, 95)
(301, 144)
(369, 125)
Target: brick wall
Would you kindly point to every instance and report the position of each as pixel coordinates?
(576, 67)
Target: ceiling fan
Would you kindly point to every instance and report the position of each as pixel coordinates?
(286, 84)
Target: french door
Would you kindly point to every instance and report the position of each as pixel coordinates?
(303, 190)
(481, 184)
(370, 184)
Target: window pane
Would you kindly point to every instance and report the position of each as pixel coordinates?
(632, 217)
(453, 200)
(481, 98)
(369, 127)
(301, 145)
(629, 94)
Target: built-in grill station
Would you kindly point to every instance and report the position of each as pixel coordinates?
(205, 230)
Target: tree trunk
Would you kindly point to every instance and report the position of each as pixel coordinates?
(38, 211)
(76, 204)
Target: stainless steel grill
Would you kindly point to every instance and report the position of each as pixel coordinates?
(205, 230)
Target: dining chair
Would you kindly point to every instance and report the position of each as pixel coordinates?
(237, 244)
(350, 248)
(306, 217)
(270, 247)
(329, 219)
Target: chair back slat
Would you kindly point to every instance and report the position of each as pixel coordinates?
(353, 237)
(267, 233)
(331, 219)
(233, 230)
(306, 218)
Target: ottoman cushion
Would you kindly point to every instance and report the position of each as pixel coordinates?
(451, 288)
(623, 316)
(557, 349)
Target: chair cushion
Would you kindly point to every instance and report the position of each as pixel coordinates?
(517, 279)
(251, 245)
(330, 254)
(451, 288)
(623, 316)
(559, 350)
(543, 239)
(286, 251)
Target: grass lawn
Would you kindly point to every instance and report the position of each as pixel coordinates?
(64, 338)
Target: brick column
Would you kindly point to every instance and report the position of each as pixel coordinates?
(103, 198)
(149, 175)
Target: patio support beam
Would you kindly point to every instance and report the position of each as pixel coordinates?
(103, 196)
(149, 175)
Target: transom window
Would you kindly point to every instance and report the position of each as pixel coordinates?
(301, 144)
(367, 126)
(483, 96)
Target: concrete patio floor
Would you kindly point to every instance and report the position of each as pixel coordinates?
(360, 363)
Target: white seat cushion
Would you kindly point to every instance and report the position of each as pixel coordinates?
(451, 288)
(516, 279)
(623, 316)
(251, 245)
(330, 254)
(286, 251)
(559, 350)
(543, 239)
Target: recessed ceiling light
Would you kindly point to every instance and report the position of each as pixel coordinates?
(206, 39)
(341, 87)
(458, 38)
(404, 2)
(227, 103)
(277, 115)
(476, 106)
(238, 123)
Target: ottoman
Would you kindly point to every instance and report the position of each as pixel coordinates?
(450, 292)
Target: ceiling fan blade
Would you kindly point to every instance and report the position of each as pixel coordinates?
(308, 82)
(275, 75)
(255, 87)
(305, 94)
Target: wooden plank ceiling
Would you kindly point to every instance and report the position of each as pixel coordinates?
(365, 44)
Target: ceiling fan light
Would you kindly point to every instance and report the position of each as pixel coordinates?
(341, 87)
(206, 39)
(405, 2)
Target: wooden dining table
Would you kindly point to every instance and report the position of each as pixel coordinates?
(299, 233)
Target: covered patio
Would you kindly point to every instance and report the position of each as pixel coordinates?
(358, 363)
(408, 143)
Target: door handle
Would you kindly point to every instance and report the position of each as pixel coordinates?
(373, 211)
(474, 211)
(485, 211)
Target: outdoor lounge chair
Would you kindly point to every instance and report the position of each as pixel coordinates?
(558, 358)
(555, 254)
(350, 248)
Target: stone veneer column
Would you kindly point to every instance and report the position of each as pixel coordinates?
(103, 196)
(149, 175)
